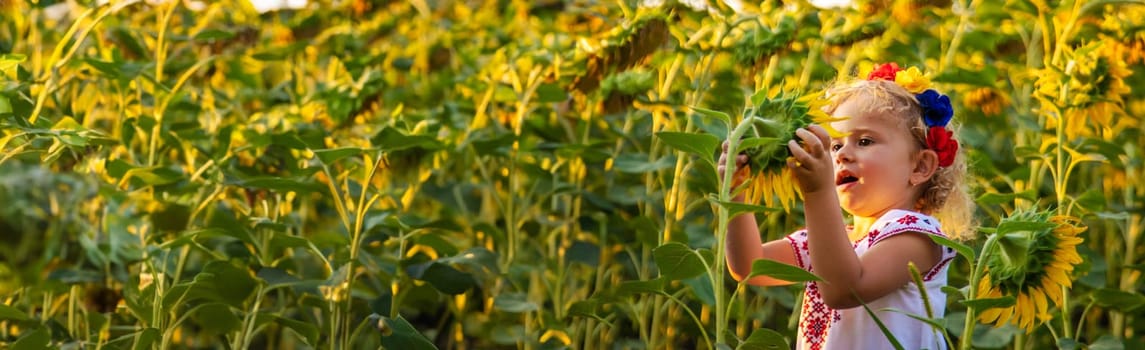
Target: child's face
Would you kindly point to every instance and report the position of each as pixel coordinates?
(874, 161)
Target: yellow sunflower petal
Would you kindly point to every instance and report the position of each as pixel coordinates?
(1040, 304)
(1004, 315)
(1057, 274)
(1025, 310)
(1053, 291)
(989, 315)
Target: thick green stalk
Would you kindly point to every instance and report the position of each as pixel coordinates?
(977, 270)
(717, 272)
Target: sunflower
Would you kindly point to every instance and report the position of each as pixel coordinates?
(988, 100)
(774, 117)
(1033, 260)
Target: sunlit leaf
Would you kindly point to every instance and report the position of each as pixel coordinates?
(11, 313)
(700, 145)
(677, 261)
(781, 271)
(1122, 300)
(764, 339)
(514, 303)
(442, 277)
(989, 303)
(397, 333)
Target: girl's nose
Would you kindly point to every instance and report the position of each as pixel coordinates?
(842, 155)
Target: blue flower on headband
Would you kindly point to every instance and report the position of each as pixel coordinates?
(936, 109)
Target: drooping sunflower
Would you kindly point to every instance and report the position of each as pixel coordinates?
(1033, 260)
(774, 117)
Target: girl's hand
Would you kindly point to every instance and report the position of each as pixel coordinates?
(811, 162)
(743, 170)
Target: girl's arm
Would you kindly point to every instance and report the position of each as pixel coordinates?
(850, 280)
(743, 245)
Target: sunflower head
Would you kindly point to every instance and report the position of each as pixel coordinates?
(775, 116)
(1032, 260)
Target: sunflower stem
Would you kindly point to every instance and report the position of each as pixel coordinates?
(978, 269)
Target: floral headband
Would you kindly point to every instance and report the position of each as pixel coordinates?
(936, 109)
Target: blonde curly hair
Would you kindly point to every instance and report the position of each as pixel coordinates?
(946, 195)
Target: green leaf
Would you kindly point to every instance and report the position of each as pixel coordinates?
(962, 249)
(781, 271)
(629, 288)
(721, 116)
(307, 330)
(213, 34)
(279, 184)
(753, 142)
(34, 340)
(882, 327)
(154, 176)
(233, 284)
(1122, 300)
(442, 277)
(938, 324)
(390, 139)
(277, 278)
(736, 208)
(702, 288)
(1107, 342)
(989, 303)
(636, 163)
(216, 318)
(329, 156)
(989, 337)
(676, 261)
(548, 93)
(397, 333)
(1067, 344)
(8, 64)
(5, 105)
(145, 338)
(11, 313)
(514, 303)
(1021, 226)
(985, 76)
(701, 145)
(764, 339)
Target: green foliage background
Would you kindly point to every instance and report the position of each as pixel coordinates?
(502, 174)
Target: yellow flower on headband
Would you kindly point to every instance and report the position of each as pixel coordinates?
(912, 80)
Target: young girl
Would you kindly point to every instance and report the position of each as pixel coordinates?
(894, 167)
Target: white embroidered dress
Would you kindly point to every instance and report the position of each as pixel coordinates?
(821, 327)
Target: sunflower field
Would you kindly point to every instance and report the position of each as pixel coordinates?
(509, 174)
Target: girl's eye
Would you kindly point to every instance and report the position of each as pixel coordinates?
(866, 142)
(836, 147)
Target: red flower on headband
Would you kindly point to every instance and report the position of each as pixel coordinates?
(942, 142)
(884, 71)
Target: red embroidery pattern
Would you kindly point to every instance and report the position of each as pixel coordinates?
(872, 236)
(816, 316)
(908, 220)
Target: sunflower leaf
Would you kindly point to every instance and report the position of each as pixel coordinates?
(937, 323)
(763, 339)
(989, 303)
(882, 327)
(781, 271)
(1016, 226)
(702, 145)
(1122, 300)
(735, 208)
(677, 261)
(721, 116)
(962, 249)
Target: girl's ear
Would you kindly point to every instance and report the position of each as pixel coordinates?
(925, 165)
